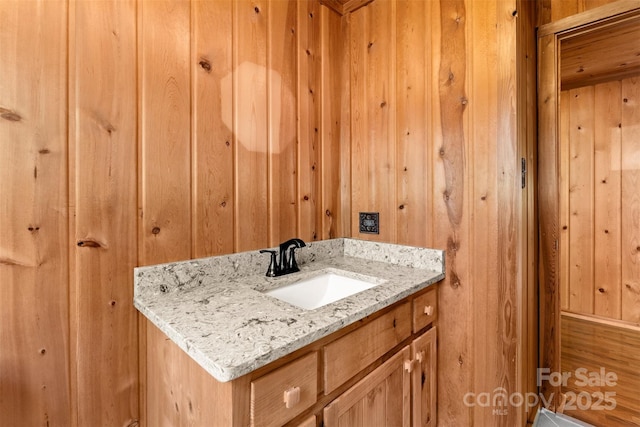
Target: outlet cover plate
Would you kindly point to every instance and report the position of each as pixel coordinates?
(370, 222)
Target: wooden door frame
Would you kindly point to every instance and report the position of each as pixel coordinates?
(549, 38)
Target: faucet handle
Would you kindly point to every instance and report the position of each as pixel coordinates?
(272, 271)
(293, 265)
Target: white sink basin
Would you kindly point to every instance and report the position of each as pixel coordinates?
(327, 286)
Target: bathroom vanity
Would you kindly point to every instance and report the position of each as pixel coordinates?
(362, 359)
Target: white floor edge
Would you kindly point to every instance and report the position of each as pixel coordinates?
(546, 418)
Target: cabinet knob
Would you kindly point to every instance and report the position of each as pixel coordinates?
(420, 356)
(408, 365)
(428, 310)
(291, 397)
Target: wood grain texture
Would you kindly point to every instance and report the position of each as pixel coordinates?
(381, 398)
(451, 201)
(581, 203)
(283, 147)
(607, 200)
(165, 132)
(250, 123)
(373, 153)
(413, 121)
(592, 345)
(211, 120)
(309, 139)
(593, 135)
(34, 235)
(630, 127)
(618, 43)
(508, 171)
(103, 184)
(548, 208)
(335, 118)
(556, 15)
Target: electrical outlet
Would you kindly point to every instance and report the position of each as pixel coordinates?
(370, 222)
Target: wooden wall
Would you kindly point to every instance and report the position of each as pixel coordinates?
(145, 132)
(136, 133)
(437, 133)
(599, 128)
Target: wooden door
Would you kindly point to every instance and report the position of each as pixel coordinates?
(589, 212)
(424, 379)
(382, 398)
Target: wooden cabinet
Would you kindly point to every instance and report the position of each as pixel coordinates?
(382, 398)
(380, 370)
(279, 396)
(405, 384)
(424, 378)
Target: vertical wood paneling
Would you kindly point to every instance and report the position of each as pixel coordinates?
(631, 199)
(165, 131)
(250, 122)
(581, 134)
(282, 119)
(527, 222)
(380, 107)
(335, 79)
(483, 145)
(510, 273)
(548, 203)
(34, 319)
(413, 121)
(164, 175)
(373, 113)
(309, 126)
(211, 116)
(607, 230)
(553, 10)
(451, 205)
(564, 182)
(359, 119)
(103, 112)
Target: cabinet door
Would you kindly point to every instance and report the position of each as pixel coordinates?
(382, 398)
(424, 379)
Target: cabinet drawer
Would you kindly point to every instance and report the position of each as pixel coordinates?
(350, 354)
(425, 309)
(284, 393)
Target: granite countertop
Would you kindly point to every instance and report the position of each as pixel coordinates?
(215, 309)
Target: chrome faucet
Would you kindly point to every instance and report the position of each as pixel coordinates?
(287, 262)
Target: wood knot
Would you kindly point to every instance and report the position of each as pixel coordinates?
(305, 198)
(89, 243)
(205, 65)
(327, 212)
(44, 151)
(112, 303)
(223, 204)
(43, 351)
(155, 230)
(601, 290)
(256, 9)
(383, 104)
(10, 115)
(401, 207)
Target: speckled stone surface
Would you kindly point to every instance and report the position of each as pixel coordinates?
(215, 309)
